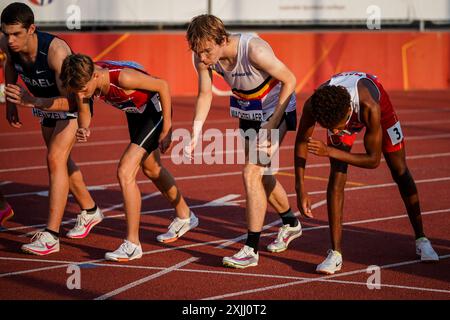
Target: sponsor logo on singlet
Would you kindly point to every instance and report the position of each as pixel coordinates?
(241, 74)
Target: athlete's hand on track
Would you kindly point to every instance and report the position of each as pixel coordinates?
(83, 134)
(18, 95)
(304, 204)
(317, 147)
(13, 117)
(165, 140)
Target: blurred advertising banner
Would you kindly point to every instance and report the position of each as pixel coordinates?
(310, 11)
(157, 12)
(113, 12)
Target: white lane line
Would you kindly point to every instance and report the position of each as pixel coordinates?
(388, 286)
(146, 279)
(118, 127)
(124, 142)
(229, 273)
(216, 175)
(289, 284)
(384, 185)
(376, 186)
(202, 244)
(148, 196)
(267, 226)
(198, 154)
(77, 145)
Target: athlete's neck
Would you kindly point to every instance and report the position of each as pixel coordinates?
(29, 52)
(103, 82)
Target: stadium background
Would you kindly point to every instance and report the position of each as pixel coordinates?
(315, 38)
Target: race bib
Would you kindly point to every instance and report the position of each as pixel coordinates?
(156, 102)
(395, 133)
(246, 109)
(52, 115)
(130, 106)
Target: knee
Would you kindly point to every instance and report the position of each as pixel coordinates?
(251, 173)
(55, 160)
(399, 171)
(405, 182)
(152, 172)
(125, 175)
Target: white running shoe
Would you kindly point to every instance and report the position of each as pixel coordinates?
(331, 264)
(177, 228)
(127, 251)
(285, 235)
(246, 257)
(425, 250)
(42, 243)
(85, 222)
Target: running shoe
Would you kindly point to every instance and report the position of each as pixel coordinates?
(177, 228)
(331, 264)
(285, 235)
(246, 257)
(42, 243)
(127, 251)
(85, 222)
(425, 250)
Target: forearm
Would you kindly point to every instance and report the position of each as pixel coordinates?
(300, 156)
(202, 107)
(287, 89)
(166, 106)
(362, 160)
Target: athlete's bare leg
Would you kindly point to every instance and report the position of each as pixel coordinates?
(128, 168)
(165, 183)
(77, 186)
(335, 207)
(261, 188)
(396, 162)
(59, 141)
(76, 183)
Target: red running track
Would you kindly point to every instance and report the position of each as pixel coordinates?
(376, 232)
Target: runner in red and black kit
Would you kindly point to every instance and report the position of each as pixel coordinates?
(146, 101)
(344, 105)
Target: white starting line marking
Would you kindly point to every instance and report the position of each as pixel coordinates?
(146, 279)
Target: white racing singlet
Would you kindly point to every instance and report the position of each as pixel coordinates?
(256, 93)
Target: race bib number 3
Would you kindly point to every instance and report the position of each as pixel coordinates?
(395, 133)
(246, 109)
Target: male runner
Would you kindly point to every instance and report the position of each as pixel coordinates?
(147, 104)
(37, 57)
(344, 105)
(264, 98)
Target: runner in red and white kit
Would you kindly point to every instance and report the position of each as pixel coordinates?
(146, 101)
(344, 105)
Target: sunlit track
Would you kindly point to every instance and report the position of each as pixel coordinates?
(374, 220)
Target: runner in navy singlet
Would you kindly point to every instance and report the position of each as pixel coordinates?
(37, 58)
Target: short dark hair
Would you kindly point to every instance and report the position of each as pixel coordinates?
(76, 71)
(18, 13)
(329, 105)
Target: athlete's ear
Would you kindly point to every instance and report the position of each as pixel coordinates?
(32, 29)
